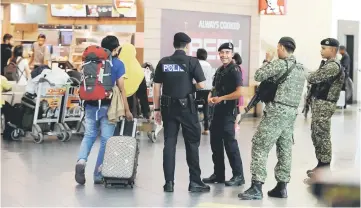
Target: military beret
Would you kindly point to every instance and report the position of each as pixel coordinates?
(181, 37)
(228, 45)
(330, 42)
(288, 41)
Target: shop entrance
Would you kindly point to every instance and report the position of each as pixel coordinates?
(350, 41)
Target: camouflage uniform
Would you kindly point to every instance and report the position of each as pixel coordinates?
(322, 110)
(276, 126)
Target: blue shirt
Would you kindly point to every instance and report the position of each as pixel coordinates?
(118, 69)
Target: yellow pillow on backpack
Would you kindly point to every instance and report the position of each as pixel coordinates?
(134, 73)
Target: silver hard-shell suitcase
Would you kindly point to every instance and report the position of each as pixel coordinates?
(121, 158)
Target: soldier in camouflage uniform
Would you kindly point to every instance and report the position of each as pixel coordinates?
(326, 84)
(276, 126)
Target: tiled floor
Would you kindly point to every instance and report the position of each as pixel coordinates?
(43, 175)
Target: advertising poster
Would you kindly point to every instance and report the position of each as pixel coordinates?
(272, 7)
(127, 8)
(68, 10)
(208, 31)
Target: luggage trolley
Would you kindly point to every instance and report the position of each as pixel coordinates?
(153, 134)
(48, 123)
(72, 112)
(152, 128)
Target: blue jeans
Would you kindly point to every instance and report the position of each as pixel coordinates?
(92, 128)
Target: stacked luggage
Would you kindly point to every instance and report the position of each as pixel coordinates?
(40, 107)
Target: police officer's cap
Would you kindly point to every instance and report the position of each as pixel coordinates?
(330, 42)
(181, 37)
(228, 46)
(288, 42)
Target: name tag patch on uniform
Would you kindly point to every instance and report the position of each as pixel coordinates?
(172, 68)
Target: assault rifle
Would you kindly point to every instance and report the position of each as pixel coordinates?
(254, 101)
(310, 89)
(306, 107)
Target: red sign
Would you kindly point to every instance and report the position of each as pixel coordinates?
(272, 7)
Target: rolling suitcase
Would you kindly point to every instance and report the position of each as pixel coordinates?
(121, 158)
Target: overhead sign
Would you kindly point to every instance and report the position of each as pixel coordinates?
(208, 31)
(92, 10)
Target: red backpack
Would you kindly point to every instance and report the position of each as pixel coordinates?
(96, 83)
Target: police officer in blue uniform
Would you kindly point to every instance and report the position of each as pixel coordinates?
(225, 94)
(176, 107)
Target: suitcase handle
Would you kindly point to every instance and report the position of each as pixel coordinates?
(133, 130)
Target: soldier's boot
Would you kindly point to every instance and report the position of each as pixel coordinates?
(280, 191)
(319, 165)
(253, 193)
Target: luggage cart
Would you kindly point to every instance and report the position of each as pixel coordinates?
(49, 123)
(72, 112)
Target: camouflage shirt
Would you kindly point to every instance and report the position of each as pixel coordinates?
(328, 71)
(290, 91)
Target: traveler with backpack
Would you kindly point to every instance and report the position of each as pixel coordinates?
(18, 69)
(95, 91)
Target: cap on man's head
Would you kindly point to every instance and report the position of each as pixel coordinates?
(330, 42)
(288, 42)
(228, 46)
(181, 37)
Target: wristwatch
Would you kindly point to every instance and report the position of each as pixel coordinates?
(265, 61)
(157, 109)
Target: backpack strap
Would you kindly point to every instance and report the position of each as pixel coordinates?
(18, 69)
(285, 75)
(332, 79)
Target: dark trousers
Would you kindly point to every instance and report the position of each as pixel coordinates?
(191, 129)
(223, 137)
(140, 98)
(203, 95)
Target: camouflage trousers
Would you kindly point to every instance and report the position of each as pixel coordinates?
(276, 127)
(322, 112)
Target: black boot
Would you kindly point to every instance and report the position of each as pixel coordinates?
(168, 186)
(312, 170)
(319, 165)
(280, 191)
(198, 187)
(235, 181)
(213, 179)
(253, 193)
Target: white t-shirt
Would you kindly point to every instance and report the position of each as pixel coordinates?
(22, 65)
(209, 72)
